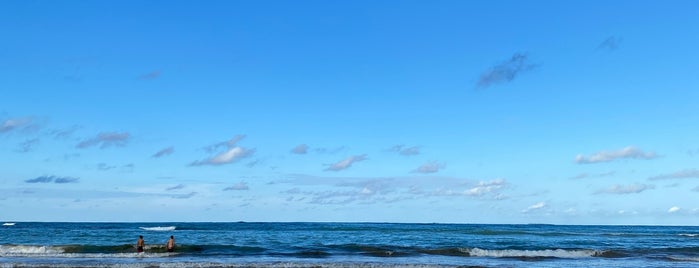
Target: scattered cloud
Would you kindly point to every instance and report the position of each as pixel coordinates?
(596, 175)
(104, 167)
(683, 174)
(611, 43)
(624, 212)
(184, 196)
(486, 187)
(403, 150)
(323, 150)
(67, 157)
(230, 154)
(300, 149)
(55, 179)
(150, 76)
(607, 156)
(225, 144)
(164, 152)
(506, 71)
(254, 163)
(482, 189)
(626, 189)
(127, 167)
(345, 190)
(534, 207)
(64, 133)
(429, 167)
(28, 145)
(346, 163)
(42, 179)
(176, 187)
(122, 168)
(106, 139)
(241, 186)
(368, 191)
(673, 209)
(65, 180)
(18, 124)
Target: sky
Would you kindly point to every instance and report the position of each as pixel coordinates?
(559, 112)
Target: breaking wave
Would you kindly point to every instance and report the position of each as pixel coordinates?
(159, 228)
(545, 253)
(689, 235)
(125, 251)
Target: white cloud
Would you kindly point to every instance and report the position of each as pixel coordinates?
(184, 196)
(673, 209)
(164, 152)
(588, 175)
(505, 71)
(607, 156)
(254, 163)
(429, 167)
(323, 150)
(486, 187)
(683, 174)
(106, 139)
(483, 189)
(241, 186)
(406, 151)
(365, 190)
(231, 154)
(536, 206)
(225, 144)
(55, 179)
(611, 43)
(624, 212)
(22, 123)
(176, 187)
(346, 163)
(28, 145)
(626, 189)
(150, 76)
(64, 133)
(300, 149)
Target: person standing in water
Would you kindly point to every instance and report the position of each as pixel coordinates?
(170, 244)
(140, 244)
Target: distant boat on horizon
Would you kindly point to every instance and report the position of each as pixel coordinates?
(8, 224)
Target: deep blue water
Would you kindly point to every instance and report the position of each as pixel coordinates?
(35, 244)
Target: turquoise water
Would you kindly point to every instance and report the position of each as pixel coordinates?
(33, 244)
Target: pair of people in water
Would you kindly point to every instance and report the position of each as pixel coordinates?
(170, 245)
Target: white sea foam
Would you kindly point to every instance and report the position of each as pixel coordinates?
(10, 250)
(159, 228)
(58, 252)
(551, 253)
(690, 235)
(8, 224)
(688, 259)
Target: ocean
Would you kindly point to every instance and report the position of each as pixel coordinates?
(243, 244)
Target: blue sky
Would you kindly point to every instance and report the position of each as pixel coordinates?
(391, 111)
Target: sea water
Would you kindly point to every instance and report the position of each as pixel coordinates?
(42, 244)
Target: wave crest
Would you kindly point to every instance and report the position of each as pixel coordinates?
(545, 253)
(159, 228)
(26, 249)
